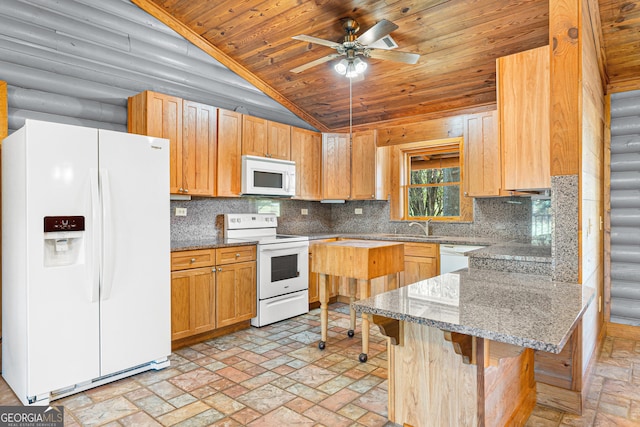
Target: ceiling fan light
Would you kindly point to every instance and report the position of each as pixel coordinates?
(359, 65)
(341, 67)
(351, 70)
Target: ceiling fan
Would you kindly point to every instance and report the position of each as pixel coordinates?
(373, 43)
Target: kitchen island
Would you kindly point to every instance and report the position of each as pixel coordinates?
(461, 345)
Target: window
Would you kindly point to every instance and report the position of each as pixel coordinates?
(433, 188)
(428, 181)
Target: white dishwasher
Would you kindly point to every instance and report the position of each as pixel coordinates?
(452, 257)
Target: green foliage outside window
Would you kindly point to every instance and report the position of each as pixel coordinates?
(434, 192)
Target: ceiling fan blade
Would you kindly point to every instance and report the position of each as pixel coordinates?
(316, 62)
(377, 32)
(316, 40)
(394, 55)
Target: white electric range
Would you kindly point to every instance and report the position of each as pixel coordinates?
(282, 266)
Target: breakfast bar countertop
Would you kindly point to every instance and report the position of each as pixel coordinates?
(521, 309)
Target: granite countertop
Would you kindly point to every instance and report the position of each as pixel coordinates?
(515, 251)
(211, 243)
(456, 240)
(521, 309)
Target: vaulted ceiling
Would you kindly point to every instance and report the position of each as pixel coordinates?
(458, 40)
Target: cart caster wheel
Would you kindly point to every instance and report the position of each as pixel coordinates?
(321, 345)
(350, 333)
(362, 357)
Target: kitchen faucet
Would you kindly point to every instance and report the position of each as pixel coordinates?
(424, 227)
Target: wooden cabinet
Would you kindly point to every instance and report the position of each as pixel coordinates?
(191, 129)
(199, 142)
(278, 140)
(420, 262)
(159, 115)
(265, 138)
(336, 166)
(523, 108)
(192, 293)
(482, 166)
(363, 166)
(236, 293)
(229, 164)
(211, 288)
(306, 151)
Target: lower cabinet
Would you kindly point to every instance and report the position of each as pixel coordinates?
(420, 262)
(211, 288)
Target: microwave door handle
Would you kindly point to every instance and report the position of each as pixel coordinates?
(287, 180)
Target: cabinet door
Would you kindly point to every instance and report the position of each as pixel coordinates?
(192, 302)
(254, 136)
(199, 138)
(159, 115)
(418, 268)
(279, 140)
(336, 166)
(306, 151)
(482, 155)
(523, 105)
(236, 294)
(229, 153)
(363, 166)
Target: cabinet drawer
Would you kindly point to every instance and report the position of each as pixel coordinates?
(421, 249)
(183, 260)
(235, 254)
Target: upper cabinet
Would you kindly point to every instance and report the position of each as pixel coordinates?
(229, 163)
(336, 166)
(199, 136)
(191, 129)
(265, 138)
(306, 151)
(160, 115)
(482, 164)
(363, 166)
(523, 108)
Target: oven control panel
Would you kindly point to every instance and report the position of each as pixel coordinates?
(250, 221)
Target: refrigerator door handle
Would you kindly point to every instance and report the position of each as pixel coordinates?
(107, 244)
(94, 290)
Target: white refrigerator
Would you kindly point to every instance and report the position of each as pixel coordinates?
(85, 258)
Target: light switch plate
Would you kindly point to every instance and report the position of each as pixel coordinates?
(181, 211)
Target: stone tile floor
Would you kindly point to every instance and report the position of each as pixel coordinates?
(276, 376)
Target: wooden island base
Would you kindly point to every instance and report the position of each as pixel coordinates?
(435, 379)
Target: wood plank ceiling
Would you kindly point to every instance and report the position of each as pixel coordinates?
(458, 40)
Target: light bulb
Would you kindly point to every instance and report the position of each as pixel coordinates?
(360, 65)
(341, 67)
(351, 70)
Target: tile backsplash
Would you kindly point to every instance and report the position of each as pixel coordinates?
(499, 218)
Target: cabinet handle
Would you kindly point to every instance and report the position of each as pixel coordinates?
(219, 268)
(213, 270)
(237, 255)
(193, 260)
(181, 190)
(186, 190)
(373, 196)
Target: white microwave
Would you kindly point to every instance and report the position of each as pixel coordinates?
(268, 177)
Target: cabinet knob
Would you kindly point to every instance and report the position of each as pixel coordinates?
(186, 190)
(237, 255)
(373, 196)
(193, 260)
(213, 270)
(181, 189)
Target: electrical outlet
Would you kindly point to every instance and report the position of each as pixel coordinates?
(304, 211)
(181, 211)
(358, 211)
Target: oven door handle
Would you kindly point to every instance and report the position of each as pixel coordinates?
(281, 249)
